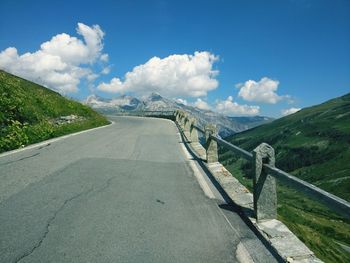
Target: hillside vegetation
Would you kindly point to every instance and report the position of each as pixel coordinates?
(30, 113)
(314, 145)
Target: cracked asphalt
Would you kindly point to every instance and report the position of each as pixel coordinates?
(123, 193)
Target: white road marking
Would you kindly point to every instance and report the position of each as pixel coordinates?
(197, 173)
(242, 254)
(32, 146)
(229, 223)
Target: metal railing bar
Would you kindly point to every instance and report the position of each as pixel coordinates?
(335, 203)
(147, 113)
(199, 129)
(245, 154)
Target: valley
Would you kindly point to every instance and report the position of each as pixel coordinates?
(312, 144)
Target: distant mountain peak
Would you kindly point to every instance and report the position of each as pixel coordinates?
(155, 96)
(94, 97)
(155, 102)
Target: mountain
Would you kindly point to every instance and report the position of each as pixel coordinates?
(30, 113)
(122, 103)
(155, 102)
(253, 121)
(314, 145)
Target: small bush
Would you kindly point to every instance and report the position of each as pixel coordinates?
(13, 136)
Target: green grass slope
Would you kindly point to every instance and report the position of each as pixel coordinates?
(314, 145)
(28, 112)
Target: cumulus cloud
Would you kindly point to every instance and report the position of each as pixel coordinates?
(286, 112)
(114, 86)
(104, 57)
(106, 70)
(229, 107)
(264, 91)
(182, 101)
(175, 75)
(61, 62)
(201, 104)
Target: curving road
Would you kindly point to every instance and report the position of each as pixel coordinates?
(123, 193)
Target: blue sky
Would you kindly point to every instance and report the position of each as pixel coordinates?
(253, 57)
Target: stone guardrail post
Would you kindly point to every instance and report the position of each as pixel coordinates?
(179, 117)
(176, 115)
(187, 126)
(265, 196)
(182, 120)
(211, 145)
(193, 130)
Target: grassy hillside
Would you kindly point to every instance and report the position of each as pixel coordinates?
(314, 145)
(30, 113)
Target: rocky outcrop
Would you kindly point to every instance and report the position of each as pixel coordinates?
(68, 119)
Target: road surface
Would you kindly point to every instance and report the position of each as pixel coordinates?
(122, 193)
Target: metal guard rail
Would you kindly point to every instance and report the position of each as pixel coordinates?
(245, 154)
(199, 129)
(335, 203)
(142, 113)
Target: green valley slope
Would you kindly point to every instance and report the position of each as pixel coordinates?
(30, 113)
(314, 145)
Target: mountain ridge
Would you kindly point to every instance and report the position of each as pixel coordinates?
(226, 125)
(313, 144)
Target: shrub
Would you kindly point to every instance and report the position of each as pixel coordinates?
(13, 136)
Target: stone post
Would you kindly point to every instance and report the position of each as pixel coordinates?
(193, 131)
(265, 196)
(187, 127)
(177, 116)
(211, 145)
(182, 120)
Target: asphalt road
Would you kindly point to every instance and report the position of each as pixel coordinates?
(123, 193)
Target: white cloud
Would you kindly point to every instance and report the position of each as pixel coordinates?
(59, 63)
(182, 101)
(93, 37)
(92, 76)
(261, 91)
(229, 107)
(104, 57)
(114, 86)
(106, 70)
(201, 104)
(286, 112)
(175, 75)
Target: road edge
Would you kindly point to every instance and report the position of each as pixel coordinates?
(42, 143)
(273, 233)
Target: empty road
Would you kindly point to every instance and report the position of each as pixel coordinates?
(121, 193)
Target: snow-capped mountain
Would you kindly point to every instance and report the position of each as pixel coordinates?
(155, 102)
(122, 103)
